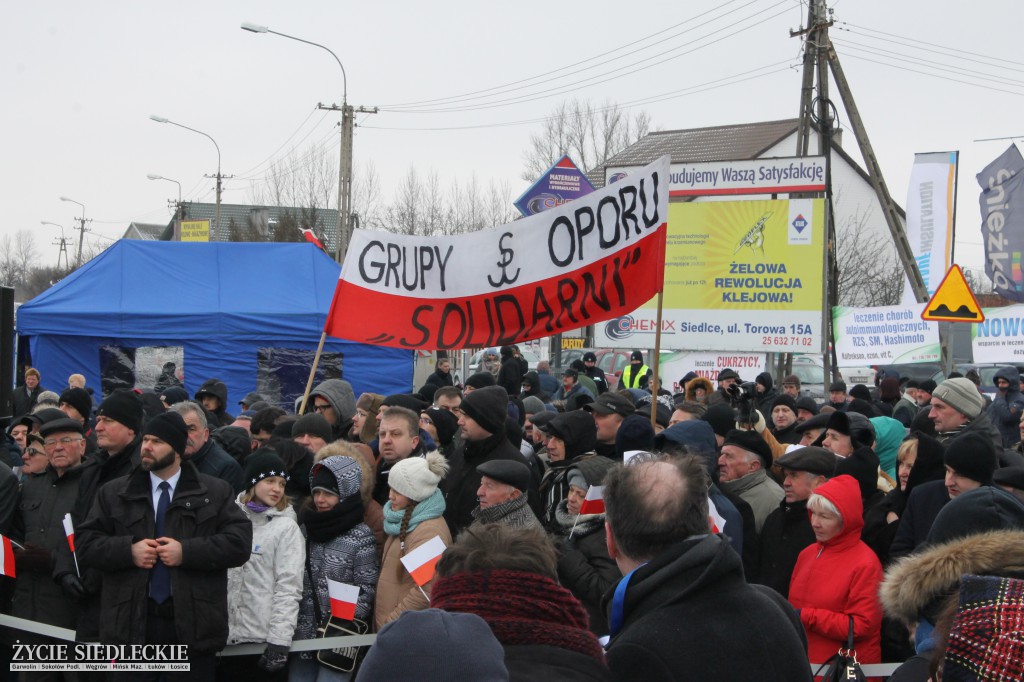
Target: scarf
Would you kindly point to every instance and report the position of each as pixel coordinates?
(325, 526)
(585, 523)
(256, 507)
(430, 508)
(520, 607)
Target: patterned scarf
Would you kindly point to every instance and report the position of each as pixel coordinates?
(520, 607)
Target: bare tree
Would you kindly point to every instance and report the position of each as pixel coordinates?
(869, 271)
(590, 134)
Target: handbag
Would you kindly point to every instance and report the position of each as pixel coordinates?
(843, 666)
(343, 659)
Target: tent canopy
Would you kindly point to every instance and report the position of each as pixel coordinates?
(229, 306)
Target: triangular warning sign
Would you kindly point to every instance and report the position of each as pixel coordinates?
(953, 301)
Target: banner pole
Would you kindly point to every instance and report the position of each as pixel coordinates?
(653, 384)
(312, 372)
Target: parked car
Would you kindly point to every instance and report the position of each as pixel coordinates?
(476, 362)
(920, 371)
(987, 374)
(610, 360)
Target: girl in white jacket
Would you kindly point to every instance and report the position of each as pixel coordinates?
(264, 593)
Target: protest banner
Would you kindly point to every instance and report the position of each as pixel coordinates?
(739, 276)
(580, 263)
(1000, 338)
(886, 335)
(930, 201)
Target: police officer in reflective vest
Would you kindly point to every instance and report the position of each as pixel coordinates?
(636, 373)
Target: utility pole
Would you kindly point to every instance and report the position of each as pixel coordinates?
(820, 55)
(63, 243)
(344, 225)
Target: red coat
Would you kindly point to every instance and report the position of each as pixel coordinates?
(837, 579)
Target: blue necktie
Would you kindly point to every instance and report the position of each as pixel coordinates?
(160, 577)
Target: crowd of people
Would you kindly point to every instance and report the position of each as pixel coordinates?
(729, 531)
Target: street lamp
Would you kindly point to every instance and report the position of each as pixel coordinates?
(345, 166)
(161, 119)
(179, 212)
(62, 242)
(81, 230)
(151, 176)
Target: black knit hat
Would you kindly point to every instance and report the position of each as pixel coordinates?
(721, 418)
(860, 391)
(446, 423)
(635, 433)
(261, 464)
(170, 428)
(406, 400)
(79, 399)
(973, 456)
(124, 406)
(322, 477)
(728, 373)
(480, 380)
(750, 441)
(313, 424)
(487, 407)
(785, 400)
(807, 403)
(837, 386)
(173, 395)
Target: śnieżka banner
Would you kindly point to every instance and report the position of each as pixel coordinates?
(583, 262)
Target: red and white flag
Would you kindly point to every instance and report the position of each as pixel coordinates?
(6, 557)
(422, 561)
(593, 503)
(311, 238)
(599, 257)
(344, 598)
(69, 530)
(716, 521)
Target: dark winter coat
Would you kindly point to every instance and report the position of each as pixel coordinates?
(510, 376)
(923, 505)
(1006, 408)
(218, 388)
(596, 375)
(440, 379)
(25, 400)
(786, 532)
(213, 460)
(214, 533)
(678, 605)
(531, 662)
(339, 394)
(462, 481)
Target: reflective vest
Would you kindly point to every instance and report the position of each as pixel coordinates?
(631, 380)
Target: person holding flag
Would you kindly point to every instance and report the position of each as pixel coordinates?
(340, 548)
(413, 516)
(584, 567)
(46, 498)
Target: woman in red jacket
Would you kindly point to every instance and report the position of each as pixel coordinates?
(837, 577)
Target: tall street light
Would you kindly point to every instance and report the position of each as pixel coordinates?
(62, 242)
(344, 225)
(81, 230)
(161, 119)
(178, 210)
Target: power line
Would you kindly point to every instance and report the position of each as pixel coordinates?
(935, 75)
(274, 153)
(950, 68)
(923, 42)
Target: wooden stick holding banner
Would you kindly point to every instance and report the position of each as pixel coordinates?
(653, 383)
(312, 372)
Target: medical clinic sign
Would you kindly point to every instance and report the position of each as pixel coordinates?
(583, 262)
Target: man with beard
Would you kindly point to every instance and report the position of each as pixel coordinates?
(163, 538)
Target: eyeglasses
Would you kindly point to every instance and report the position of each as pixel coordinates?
(426, 420)
(322, 407)
(35, 452)
(51, 443)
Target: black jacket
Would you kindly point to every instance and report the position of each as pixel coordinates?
(213, 460)
(462, 481)
(586, 570)
(25, 400)
(510, 376)
(678, 605)
(923, 505)
(215, 535)
(785, 533)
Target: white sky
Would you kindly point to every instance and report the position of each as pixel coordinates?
(81, 79)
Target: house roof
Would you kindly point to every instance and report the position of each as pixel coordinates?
(261, 217)
(147, 231)
(718, 143)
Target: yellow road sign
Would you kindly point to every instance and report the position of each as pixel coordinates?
(953, 301)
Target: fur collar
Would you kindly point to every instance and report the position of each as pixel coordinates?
(916, 580)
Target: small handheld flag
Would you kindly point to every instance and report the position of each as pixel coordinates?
(344, 598)
(716, 521)
(6, 557)
(422, 561)
(69, 530)
(593, 503)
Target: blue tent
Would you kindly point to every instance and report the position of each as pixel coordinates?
(249, 314)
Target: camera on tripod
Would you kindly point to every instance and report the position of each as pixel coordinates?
(743, 399)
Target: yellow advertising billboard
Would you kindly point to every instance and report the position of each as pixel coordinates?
(739, 275)
(195, 230)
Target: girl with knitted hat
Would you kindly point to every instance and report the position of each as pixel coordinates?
(413, 515)
(263, 594)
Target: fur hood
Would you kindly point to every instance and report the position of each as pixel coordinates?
(917, 580)
(699, 382)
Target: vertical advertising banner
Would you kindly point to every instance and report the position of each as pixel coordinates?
(558, 185)
(739, 276)
(930, 201)
(886, 335)
(1002, 222)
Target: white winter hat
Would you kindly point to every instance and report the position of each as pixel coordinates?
(417, 477)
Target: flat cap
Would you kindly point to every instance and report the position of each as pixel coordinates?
(507, 471)
(611, 403)
(67, 425)
(813, 459)
(1011, 477)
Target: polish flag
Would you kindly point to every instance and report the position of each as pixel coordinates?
(715, 520)
(69, 530)
(593, 503)
(6, 557)
(422, 561)
(343, 599)
(311, 238)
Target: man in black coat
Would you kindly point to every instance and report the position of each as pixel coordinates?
(206, 454)
(482, 424)
(163, 538)
(683, 610)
